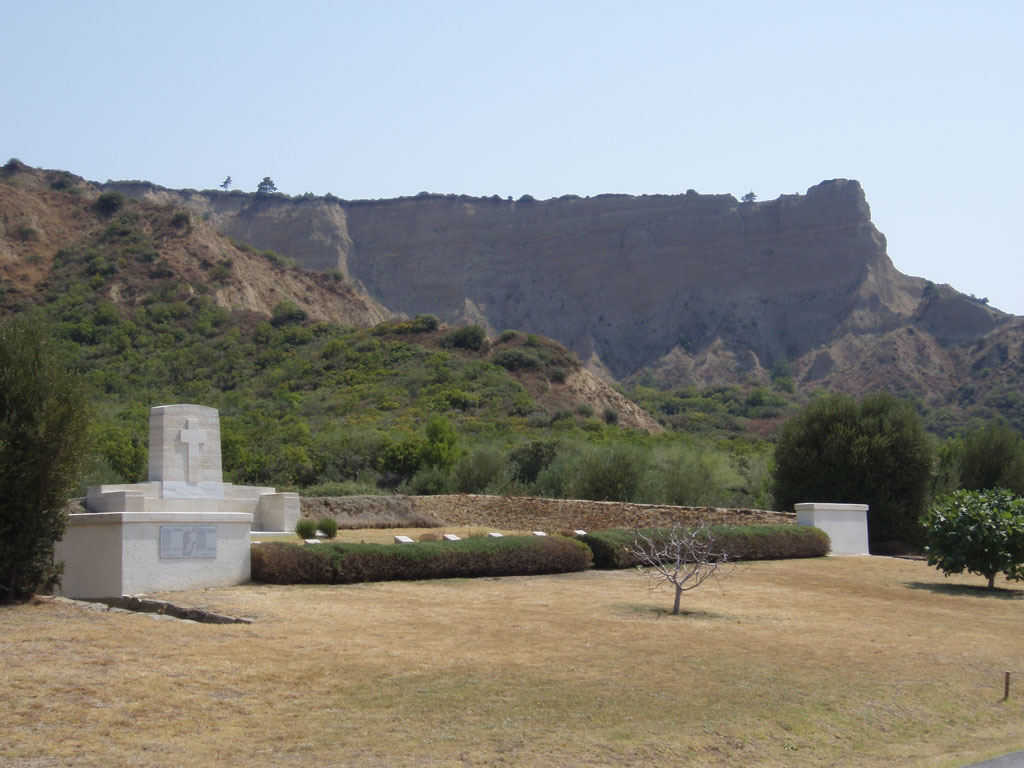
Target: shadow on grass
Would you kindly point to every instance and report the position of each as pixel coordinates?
(639, 611)
(972, 590)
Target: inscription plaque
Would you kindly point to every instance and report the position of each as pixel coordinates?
(178, 541)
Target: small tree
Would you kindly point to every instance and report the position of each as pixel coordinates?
(750, 197)
(226, 184)
(266, 186)
(44, 421)
(977, 531)
(680, 558)
(441, 447)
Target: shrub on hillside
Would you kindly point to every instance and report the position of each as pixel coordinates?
(338, 563)
(517, 359)
(740, 542)
(109, 203)
(467, 337)
(425, 323)
(306, 528)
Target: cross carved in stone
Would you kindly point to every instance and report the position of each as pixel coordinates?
(192, 438)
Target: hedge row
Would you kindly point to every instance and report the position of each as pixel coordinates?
(740, 542)
(339, 563)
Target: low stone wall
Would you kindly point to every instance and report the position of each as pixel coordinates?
(515, 513)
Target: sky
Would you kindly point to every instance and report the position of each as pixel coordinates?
(922, 102)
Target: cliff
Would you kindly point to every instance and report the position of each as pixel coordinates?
(691, 289)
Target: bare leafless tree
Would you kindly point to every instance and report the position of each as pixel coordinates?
(681, 557)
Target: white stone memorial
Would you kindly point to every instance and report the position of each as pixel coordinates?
(403, 540)
(845, 524)
(451, 537)
(184, 529)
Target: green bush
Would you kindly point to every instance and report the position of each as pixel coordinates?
(339, 563)
(977, 531)
(993, 457)
(109, 203)
(425, 323)
(287, 313)
(329, 526)
(472, 337)
(740, 542)
(517, 359)
(875, 452)
(306, 528)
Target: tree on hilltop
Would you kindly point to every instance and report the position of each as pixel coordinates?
(225, 184)
(266, 186)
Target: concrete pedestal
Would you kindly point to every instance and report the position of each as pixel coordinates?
(845, 524)
(111, 554)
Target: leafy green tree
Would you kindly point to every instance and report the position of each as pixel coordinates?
(750, 197)
(266, 187)
(874, 453)
(44, 422)
(609, 472)
(977, 531)
(441, 448)
(993, 457)
(226, 184)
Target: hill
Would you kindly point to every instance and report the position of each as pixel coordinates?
(663, 291)
(314, 384)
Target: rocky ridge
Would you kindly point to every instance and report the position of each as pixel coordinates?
(692, 289)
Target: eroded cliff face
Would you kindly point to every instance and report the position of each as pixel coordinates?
(699, 288)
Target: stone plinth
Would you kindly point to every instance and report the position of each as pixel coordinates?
(845, 524)
(112, 554)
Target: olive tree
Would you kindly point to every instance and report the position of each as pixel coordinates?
(875, 452)
(977, 531)
(43, 435)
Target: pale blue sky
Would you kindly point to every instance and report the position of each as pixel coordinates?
(920, 101)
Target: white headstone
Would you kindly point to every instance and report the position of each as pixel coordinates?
(580, 533)
(539, 533)
(494, 535)
(451, 537)
(403, 540)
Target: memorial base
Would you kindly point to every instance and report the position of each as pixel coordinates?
(845, 524)
(112, 554)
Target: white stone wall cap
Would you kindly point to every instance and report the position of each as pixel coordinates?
(100, 518)
(179, 489)
(199, 408)
(811, 505)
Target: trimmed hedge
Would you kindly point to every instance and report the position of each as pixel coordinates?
(741, 542)
(340, 563)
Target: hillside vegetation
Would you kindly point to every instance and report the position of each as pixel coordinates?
(322, 389)
(143, 296)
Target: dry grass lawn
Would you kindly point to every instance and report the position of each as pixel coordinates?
(838, 661)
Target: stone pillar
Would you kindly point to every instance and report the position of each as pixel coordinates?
(184, 451)
(845, 524)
